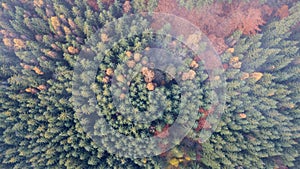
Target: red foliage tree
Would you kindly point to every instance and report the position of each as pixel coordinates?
(126, 6)
(250, 21)
(93, 4)
(283, 11)
(202, 123)
(164, 133)
(108, 2)
(219, 20)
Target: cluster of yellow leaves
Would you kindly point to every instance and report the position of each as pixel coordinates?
(67, 30)
(7, 42)
(131, 63)
(150, 86)
(71, 23)
(62, 18)
(144, 160)
(38, 3)
(193, 40)
(19, 44)
(188, 75)
(148, 74)
(120, 78)
(256, 75)
(148, 77)
(175, 161)
(104, 37)
(12, 160)
(7, 113)
(72, 50)
(109, 72)
(37, 70)
(235, 63)
(289, 105)
(55, 47)
(25, 66)
(122, 96)
(31, 90)
(230, 50)
(128, 54)
(4, 5)
(55, 22)
(242, 115)
(52, 54)
(194, 64)
(6, 33)
(42, 87)
(105, 79)
(137, 57)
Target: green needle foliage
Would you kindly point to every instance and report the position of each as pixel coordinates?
(43, 41)
(264, 88)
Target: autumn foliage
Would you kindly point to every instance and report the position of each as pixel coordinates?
(219, 20)
(283, 12)
(94, 4)
(126, 6)
(202, 123)
(164, 133)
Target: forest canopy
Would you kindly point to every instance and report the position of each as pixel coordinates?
(69, 91)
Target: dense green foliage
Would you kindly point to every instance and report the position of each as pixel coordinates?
(270, 132)
(42, 42)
